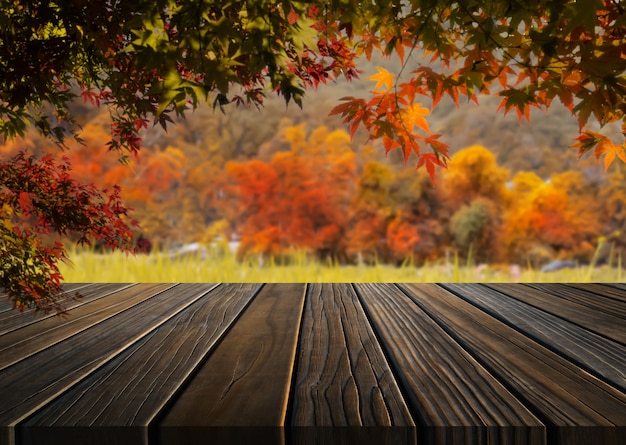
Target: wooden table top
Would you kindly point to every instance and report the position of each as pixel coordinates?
(318, 364)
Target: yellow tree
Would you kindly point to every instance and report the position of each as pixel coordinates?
(371, 209)
(557, 217)
(475, 195)
(394, 215)
(474, 172)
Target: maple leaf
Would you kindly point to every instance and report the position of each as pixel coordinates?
(566, 98)
(390, 144)
(503, 76)
(383, 79)
(368, 44)
(293, 17)
(609, 149)
(586, 141)
(400, 45)
(407, 90)
(414, 115)
(518, 99)
(438, 94)
(439, 147)
(430, 161)
(354, 111)
(25, 202)
(345, 108)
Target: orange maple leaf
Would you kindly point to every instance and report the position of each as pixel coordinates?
(430, 161)
(610, 150)
(414, 115)
(383, 79)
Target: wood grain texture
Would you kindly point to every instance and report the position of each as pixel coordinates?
(344, 391)
(239, 395)
(455, 400)
(155, 364)
(595, 321)
(597, 354)
(619, 287)
(131, 390)
(591, 300)
(7, 306)
(604, 289)
(577, 407)
(32, 338)
(14, 319)
(54, 370)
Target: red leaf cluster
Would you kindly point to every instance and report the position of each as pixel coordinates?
(39, 199)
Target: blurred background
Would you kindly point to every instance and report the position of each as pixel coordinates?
(285, 186)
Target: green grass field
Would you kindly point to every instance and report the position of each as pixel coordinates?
(118, 267)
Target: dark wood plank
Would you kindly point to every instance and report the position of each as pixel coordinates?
(112, 375)
(117, 403)
(13, 320)
(604, 289)
(240, 394)
(594, 353)
(344, 389)
(32, 338)
(454, 399)
(30, 314)
(593, 301)
(599, 322)
(48, 374)
(7, 306)
(578, 408)
(620, 286)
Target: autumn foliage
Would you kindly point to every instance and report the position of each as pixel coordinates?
(39, 198)
(313, 190)
(377, 212)
(529, 54)
(297, 199)
(150, 62)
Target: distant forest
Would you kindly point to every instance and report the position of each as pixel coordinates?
(280, 179)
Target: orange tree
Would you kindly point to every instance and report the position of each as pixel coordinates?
(151, 60)
(560, 217)
(299, 199)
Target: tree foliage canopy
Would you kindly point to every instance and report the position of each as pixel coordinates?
(149, 61)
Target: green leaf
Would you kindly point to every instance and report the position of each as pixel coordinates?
(171, 90)
(582, 13)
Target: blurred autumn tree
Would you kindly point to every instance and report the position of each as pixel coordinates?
(555, 218)
(148, 61)
(373, 205)
(474, 172)
(475, 228)
(394, 215)
(299, 198)
(475, 193)
(612, 198)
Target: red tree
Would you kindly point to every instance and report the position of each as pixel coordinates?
(38, 200)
